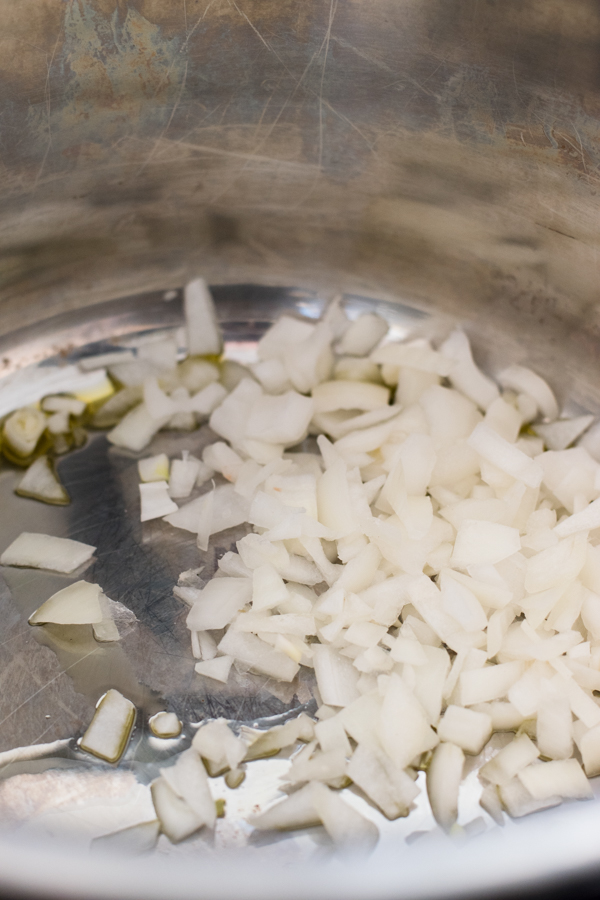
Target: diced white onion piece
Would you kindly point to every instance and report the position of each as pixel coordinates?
(296, 811)
(266, 743)
(449, 414)
(157, 403)
(517, 801)
(136, 429)
(258, 656)
(109, 731)
(352, 368)
(585, 520)
(310, 362)
(130, 841)
(320, 767)
(468, 729)
(490, 801)
(344, 824)
(272, 375)
(562, 433)
(504, 419)
(23, 429)
(165, 725)
(286, 330)
(589, 747)
(510, 760)
(384, 783)
(230, 418)
(334, 395)
(484, 543)
(362, 335)
(268, 588)
(188, 779)
(221, 458)
(462, 604)
(107, 631)
(417, 354)
(203, 332)
(524, 381)
(558, 565)
(154, 468)
(331, 735)
(44, 551)
(217, 604)
(77, 604)
(216, 742)
(336, 677)
(335, 316)
(465, 375)
(155, 501)
(217, 668)
(58, 423)
(444, 775)
(229, 510)
(183, 477)
(559, 778)
(283, 419)
(63, 404)
(489, 683)
(177, 820)
(403, 726)
(335, 506)
(496, 450)
(554, 727)
(40, 482)
(196, 374)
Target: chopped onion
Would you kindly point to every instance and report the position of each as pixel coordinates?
(188, 780)
(203, 332)
(165, 725)
(77, 604)
(183, 477)
(363, 334)
(524, 381)
(430, 563)
(136, 429)
(23, 429)
(43, 551)
(177, 820)
(108, 733)
(444, 776)
(217, 668)
(155, 501)
(154, 468)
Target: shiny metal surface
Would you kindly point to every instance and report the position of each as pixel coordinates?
(437, 153)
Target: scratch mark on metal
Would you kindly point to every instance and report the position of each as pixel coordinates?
(168, 125)
(48, 683)
(199, 22)
(256, 31)
(48, 109)
(332, 10)
(352, 125)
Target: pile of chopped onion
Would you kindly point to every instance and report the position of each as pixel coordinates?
(433, 557)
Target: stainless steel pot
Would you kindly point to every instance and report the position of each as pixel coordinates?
(440, 153)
